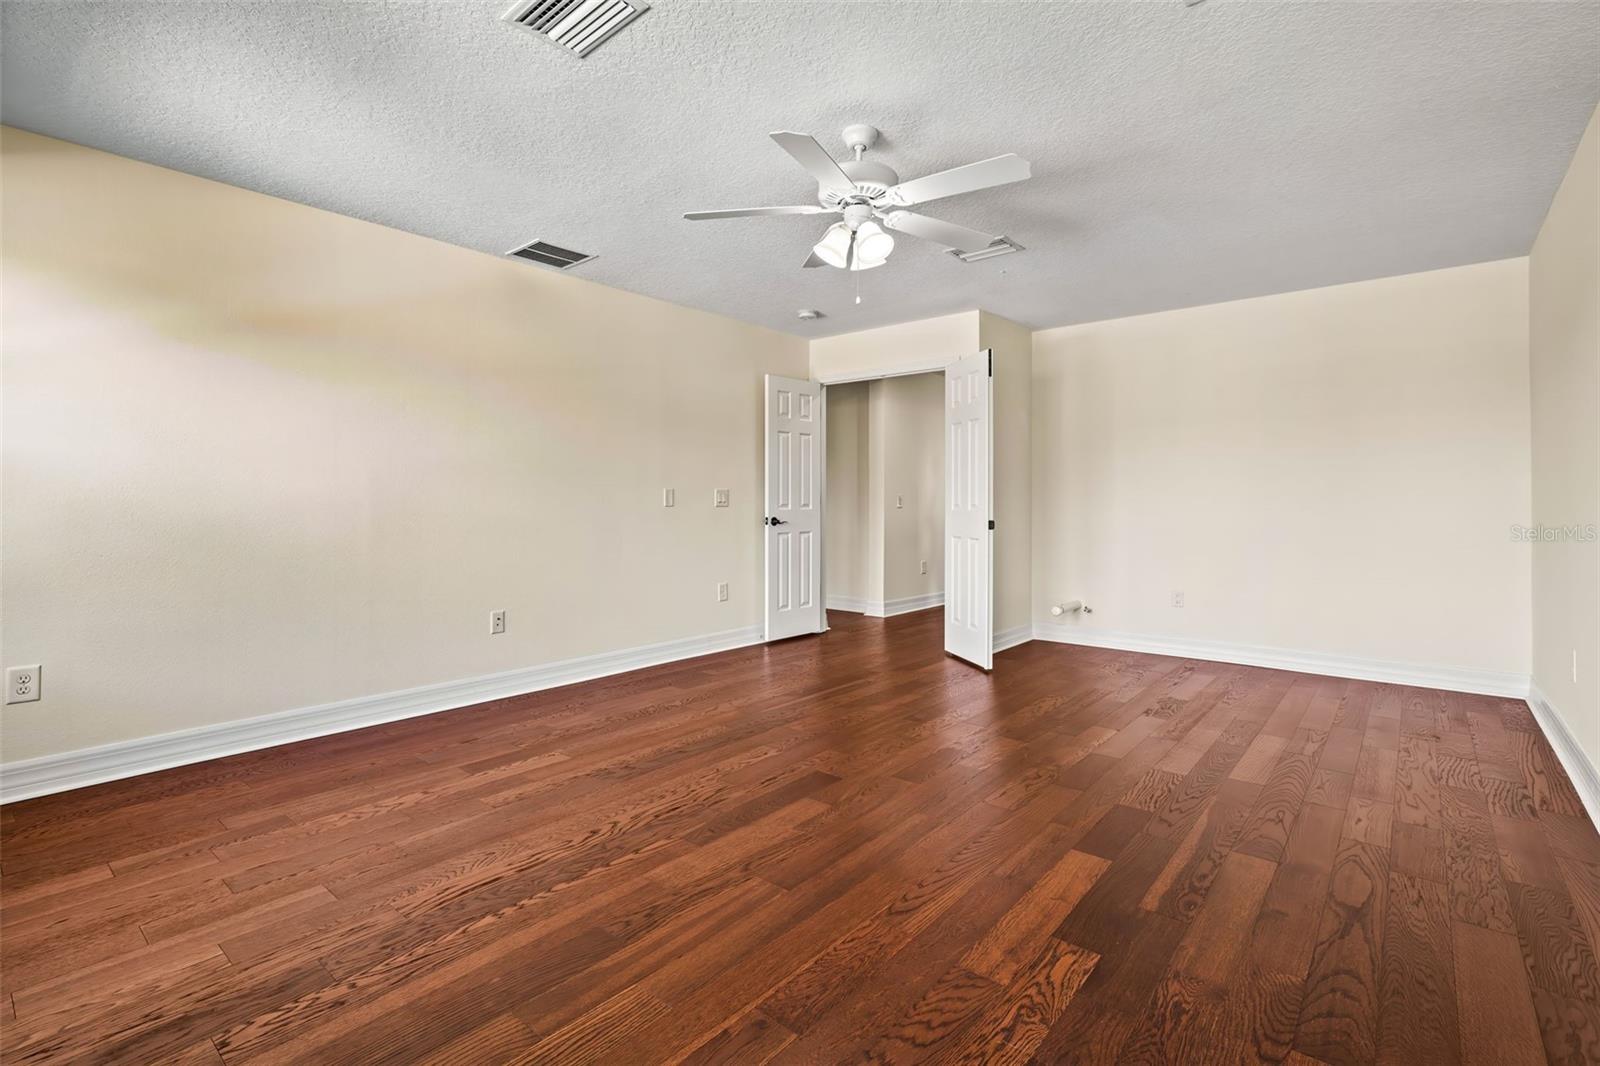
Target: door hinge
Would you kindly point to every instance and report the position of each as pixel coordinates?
(991, 523)
(991, 364)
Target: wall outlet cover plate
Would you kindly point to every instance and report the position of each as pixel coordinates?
(24, 683)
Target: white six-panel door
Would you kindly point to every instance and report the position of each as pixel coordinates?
(969, 511)
(794, 508)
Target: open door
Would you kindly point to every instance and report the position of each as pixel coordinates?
(794, 508)
(969, 510)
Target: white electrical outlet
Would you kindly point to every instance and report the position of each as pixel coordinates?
(720, 499)
(669, 497)
(23, 683)
(722, 592)
(924, 566)
(1177, 599)
(497, 622)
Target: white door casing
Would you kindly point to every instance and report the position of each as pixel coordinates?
(793, 518)
(969, 510)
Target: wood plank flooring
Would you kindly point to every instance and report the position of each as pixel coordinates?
(848, 848)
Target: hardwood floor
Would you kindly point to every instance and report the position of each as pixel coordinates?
(845, 848)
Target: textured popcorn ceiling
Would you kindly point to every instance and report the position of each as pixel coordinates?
(1181, 155)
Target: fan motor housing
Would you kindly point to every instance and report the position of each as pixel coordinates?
(874, 180)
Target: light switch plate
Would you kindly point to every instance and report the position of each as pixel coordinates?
(669, 497)
(722, 592)
(721, 498)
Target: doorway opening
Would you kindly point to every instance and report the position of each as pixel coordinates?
(910, 446)
(884, 532)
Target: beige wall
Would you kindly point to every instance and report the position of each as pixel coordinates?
(259, 456)
(847, 534)
(1564, 317)
(912, 411)
(1012, 346)
(885, 489)
(1333, 471)
(876, 466)
(921, 345)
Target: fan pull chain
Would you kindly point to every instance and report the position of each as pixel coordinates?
(850, 264)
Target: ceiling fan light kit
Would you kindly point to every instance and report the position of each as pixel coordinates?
(834, 248)
(857, 243)
(872, 242)
(870, 198)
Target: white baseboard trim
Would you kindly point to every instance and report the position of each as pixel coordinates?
(1579, 768)
(1010, 638)
(908, 604)
(850, 604)
(886, 608)
(48, 774)
(42, 776)
(1454, 679)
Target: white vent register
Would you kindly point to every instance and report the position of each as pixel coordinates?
(551, 255)
(580, 26)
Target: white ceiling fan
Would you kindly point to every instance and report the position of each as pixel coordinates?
(872, 198)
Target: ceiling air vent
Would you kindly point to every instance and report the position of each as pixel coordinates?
(550, 255)
(578, 25)
(1000, 246)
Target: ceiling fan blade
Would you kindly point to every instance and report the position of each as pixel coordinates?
(932, 229)
(818, 163)
(754, 212)
(814, 261)
(1001, 170)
